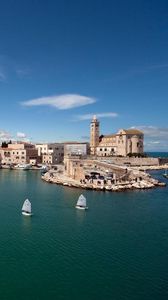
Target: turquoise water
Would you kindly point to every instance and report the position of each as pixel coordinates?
(118, 249)
(157, 154)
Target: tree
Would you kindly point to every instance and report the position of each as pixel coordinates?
(4, 145)
(137, 155)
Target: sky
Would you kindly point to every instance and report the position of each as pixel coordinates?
(62, 61)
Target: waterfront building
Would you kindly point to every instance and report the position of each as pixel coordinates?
(51, 153)
(79, 167)
(57, 151)
(19, 153)
(76, 148)
(124, 142)
(41, 148)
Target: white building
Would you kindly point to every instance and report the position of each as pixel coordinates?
(76, 148)
(51, 153)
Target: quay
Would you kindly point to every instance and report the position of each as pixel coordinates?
(99, 175)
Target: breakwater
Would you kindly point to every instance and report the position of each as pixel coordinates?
(140, 182)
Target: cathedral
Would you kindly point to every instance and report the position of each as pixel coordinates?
(124, 142)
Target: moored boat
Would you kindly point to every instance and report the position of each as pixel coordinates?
(24, 166)
(165, 174)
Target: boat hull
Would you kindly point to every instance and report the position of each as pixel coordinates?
(81, 207)
(26, 213)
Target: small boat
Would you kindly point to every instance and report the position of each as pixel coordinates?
(165, 174)
(26, 208)
(24, 166)
(81, 203)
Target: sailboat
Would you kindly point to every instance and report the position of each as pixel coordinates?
(81, 203)
(26, 208)
(165, 174)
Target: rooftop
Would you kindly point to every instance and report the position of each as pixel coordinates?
(132, 131)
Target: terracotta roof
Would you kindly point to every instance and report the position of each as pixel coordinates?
(132, 131)
(109, 136)
(7, 149)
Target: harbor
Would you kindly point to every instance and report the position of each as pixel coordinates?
(120, 241)
(95, 176)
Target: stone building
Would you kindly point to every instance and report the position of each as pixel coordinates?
(19, 153)
(125, 141)
(76, 148)
(51, 153)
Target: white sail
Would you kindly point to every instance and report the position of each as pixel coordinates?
(26, 206)
(81, 201)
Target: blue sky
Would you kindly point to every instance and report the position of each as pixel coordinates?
(63, 61)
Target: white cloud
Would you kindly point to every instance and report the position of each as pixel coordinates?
(154, 131)
(139, 70)
(99, 115)
(66, 101)
(4, 135)
(156, 138)
(21, 135)
(22, 72)
(154, 142)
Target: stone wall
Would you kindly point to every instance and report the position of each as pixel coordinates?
(163, 161)
(135, 161)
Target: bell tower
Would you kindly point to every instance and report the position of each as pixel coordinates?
(94, 135)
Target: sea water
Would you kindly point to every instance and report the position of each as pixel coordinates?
(118, 249)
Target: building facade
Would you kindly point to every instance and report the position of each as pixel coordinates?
(76, 148)
(51, 153)
(124, 142)
(19, 153)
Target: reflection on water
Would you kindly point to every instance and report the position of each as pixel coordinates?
(14, 175)
(27, 223)
(81, 214)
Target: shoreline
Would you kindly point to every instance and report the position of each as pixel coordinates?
(146, 168)
(146, 183)
(60, 178)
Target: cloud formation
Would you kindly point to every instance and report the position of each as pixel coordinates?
(21, 135)
(139, 70)
(154, 131)
(4, 135)
(22, 72)
(156, 138)
(98, 115)
(66, 101)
